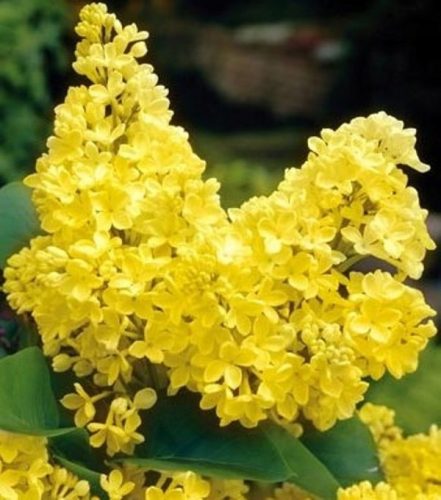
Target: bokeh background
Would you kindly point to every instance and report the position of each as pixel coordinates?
(249, 79)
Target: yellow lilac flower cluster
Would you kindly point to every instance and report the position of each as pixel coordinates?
(411, 464)
(143, 281)
(27, 474)
(119, 195)
(366, 491)
(134, 484)
(361, 491)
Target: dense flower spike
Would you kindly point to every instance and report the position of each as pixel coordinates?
(120, 195)
(143, 281)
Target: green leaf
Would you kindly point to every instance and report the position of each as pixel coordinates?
(62, 384)
(76, 448)
(27, 404)
(18, 220)
(27, 335)
(416, 398)
(179, 436)
(74, 452)
(348, 451)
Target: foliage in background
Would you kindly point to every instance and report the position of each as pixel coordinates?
(241, 180)
(250, 163)
(31, 57)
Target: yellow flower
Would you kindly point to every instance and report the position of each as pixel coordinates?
(388, 325)
(118, 432)
(107, 433)
(24, 465)
(79, 280)
(8, 481)
(145, 398)
(228, 489)
(181, 486)
(395, 142)
(229, 365)
(194, 486)
(155, 493)
(410, 463)
(366, 491)
(25, 472)
(64, 484)
(83, 404)
(117, 207)
(289, 492)
(380, 421)
(115, 485)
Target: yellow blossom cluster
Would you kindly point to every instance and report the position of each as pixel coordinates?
(118, 431)
(119, 194)
(143, 281)
(361, 491)
(411, 464)
(366, 491)
(133, 484)
(27, 474)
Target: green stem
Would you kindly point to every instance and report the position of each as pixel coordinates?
(348, 263)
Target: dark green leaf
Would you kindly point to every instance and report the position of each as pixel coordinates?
(180, 436)
(27, 404)
(416, 398)
(348, 450)
(18, 220)
(27, 336)
(62, 384)
(75, 447)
